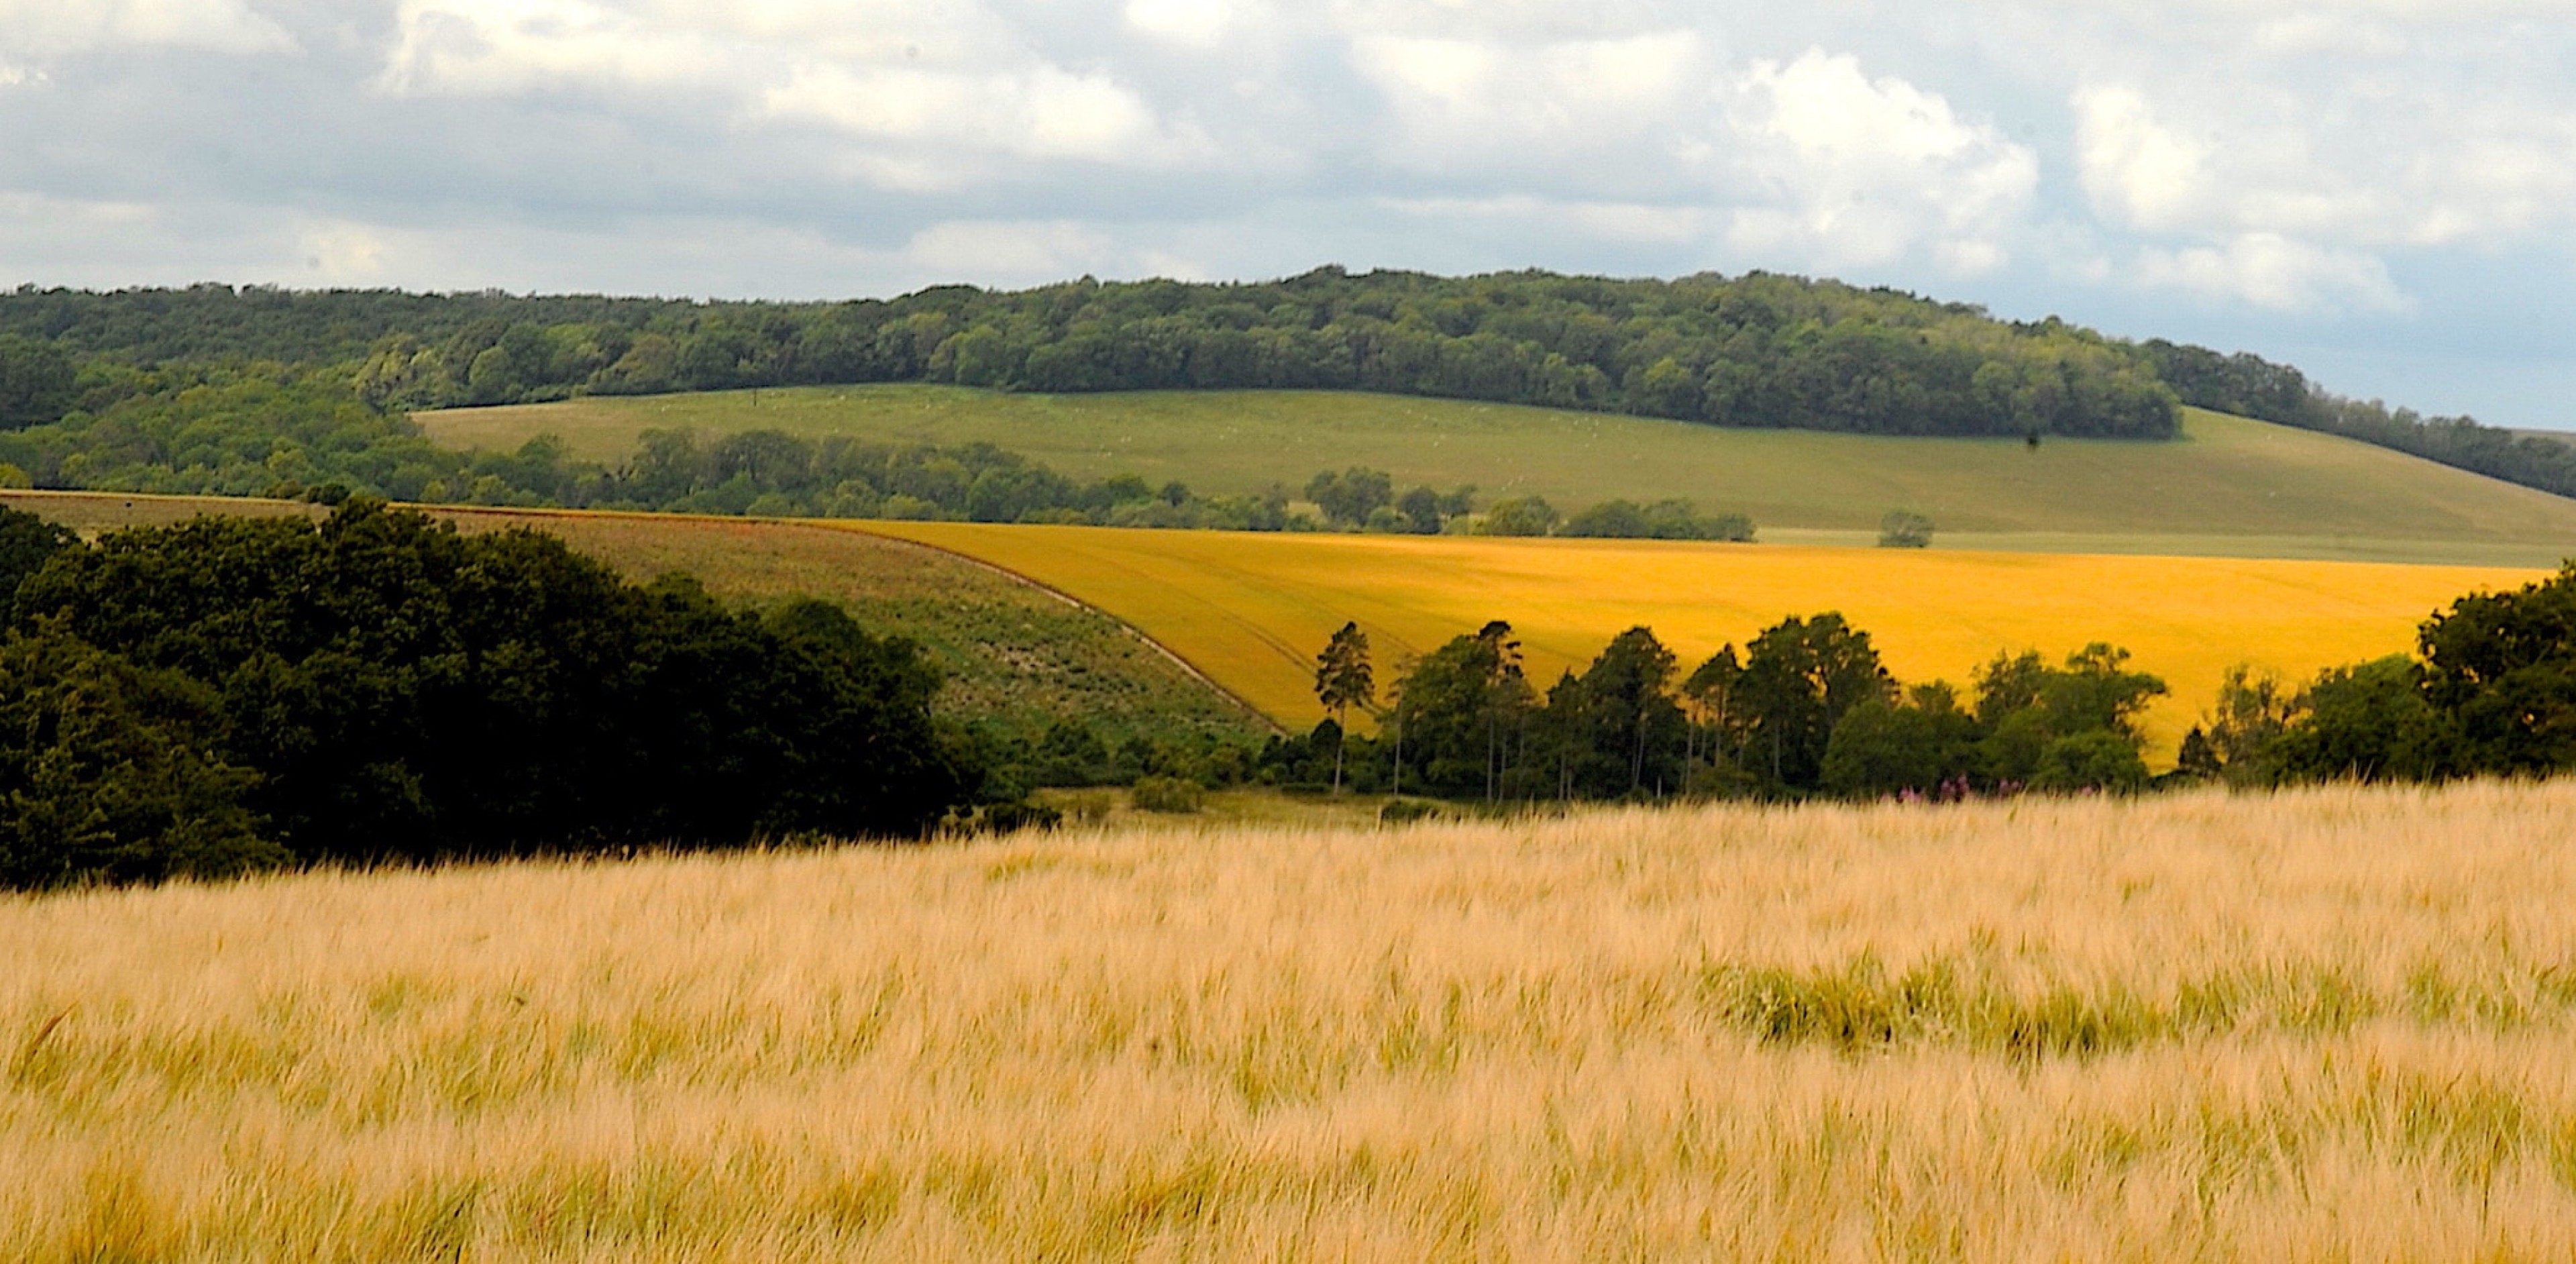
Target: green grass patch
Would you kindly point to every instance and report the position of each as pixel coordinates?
(2230, 487)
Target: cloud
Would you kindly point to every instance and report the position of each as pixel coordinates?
(1036, 250)
(52, 28)
(1467, 104)
(2275, 273)
(1196, 24)
(934, 111)
(1865, 170)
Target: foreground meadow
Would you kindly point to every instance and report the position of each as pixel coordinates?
(1252, 610)
(2327, 1025)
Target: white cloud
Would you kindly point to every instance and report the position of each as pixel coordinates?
(1040, 113)
(2275, 273)
(53, 28)
(1864, 171)
(2134, 168)
(1049, 250)
(1469, 103)
(937, 109)
(1197, 24)
(1626, 222)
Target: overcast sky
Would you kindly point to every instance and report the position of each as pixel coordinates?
(2381, 191)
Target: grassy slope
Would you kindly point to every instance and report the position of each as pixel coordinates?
(1252, 610)
(2233, 487)
(1015, 656)
(2324, 1026)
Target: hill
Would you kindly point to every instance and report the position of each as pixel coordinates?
(2229, 487)
(2318, 1026)
(1251, 610)
(1016, 657)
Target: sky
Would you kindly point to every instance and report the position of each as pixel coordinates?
(2382, 192)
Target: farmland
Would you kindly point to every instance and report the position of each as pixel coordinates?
(1251, 610)
(2230, 487)
(2323, 1025)
(1015, 657)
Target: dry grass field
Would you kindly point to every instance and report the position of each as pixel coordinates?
(2331, 1025)
(1252, 610)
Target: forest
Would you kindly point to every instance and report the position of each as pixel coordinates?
(1758, 350)
(231, 694)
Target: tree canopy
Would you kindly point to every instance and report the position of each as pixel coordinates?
(380, 686)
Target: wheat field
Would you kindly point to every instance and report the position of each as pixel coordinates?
(2327, 1025)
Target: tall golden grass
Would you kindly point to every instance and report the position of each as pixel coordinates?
(2327, 1025)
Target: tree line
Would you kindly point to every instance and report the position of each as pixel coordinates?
(2250, 386)
(234, 693)
(1756, 350)
(2489, 691)
(1806, 708)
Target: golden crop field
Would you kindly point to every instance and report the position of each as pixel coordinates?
(2326, 1025)
(1252, 610)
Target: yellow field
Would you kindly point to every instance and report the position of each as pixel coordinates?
(1252, 610)
(2331, 1025)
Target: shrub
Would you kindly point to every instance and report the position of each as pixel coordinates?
(1166, 794)
(1904, 529)
(1521, 516)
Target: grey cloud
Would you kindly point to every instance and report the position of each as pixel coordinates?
(2242, 170)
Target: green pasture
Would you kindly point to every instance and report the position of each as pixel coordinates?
(2231, 486)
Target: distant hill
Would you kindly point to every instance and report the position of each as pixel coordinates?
(1753, 351)
(2230, 487)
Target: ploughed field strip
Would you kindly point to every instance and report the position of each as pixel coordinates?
(1251, 610)
(2323, 1025)
(1015, 656)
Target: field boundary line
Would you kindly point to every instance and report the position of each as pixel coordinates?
(1187, 667)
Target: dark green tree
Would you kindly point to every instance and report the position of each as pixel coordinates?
(1884, 746)
(1344, 679)
(37, 382)
(1800, 677)
(2503, 665)
(107, 775)
(1352, 495)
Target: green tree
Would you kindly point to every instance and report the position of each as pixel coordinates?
(1519, 516)
(1618, 728)
(2503, 665)
(27, 542)
(106, 775)
(37, 382)
(1344, 679)
(1800, 677)
(1883, 746)
(1352, 495)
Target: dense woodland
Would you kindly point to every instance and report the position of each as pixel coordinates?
(235, 693)
(200, 389)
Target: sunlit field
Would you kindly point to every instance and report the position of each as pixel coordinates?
(2331, 1025)
(1252, 610)
(2231, 487)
